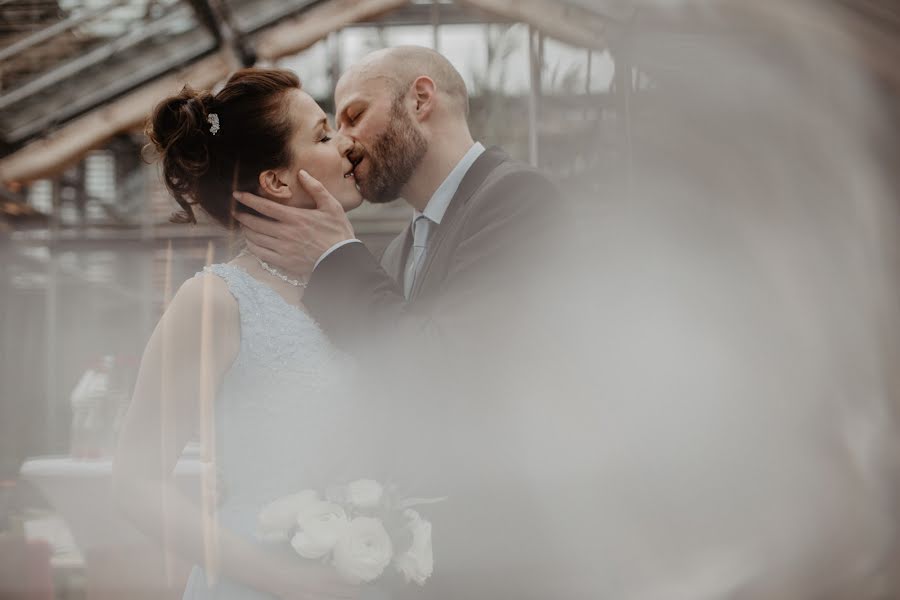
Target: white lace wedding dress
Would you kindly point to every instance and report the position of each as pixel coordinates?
(279, 416)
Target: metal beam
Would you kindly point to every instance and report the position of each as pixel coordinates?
(63, 147)
(51, 325)
(90, 59)
(557, 19)
(215, 15)
(423, 14)
(624, 82)
(99, 94)
(297, 34)
(52, 31)
(69, 143)
(536, 67)
(256, 19)
(209, 17)
(335, 66)
(435, 25)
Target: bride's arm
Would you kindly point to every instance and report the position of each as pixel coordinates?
(192, 347)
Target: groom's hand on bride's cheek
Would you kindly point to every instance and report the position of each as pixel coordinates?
(277, 237)
(332, 222)
(292, 239)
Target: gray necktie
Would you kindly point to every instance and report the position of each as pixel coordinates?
(421, 229)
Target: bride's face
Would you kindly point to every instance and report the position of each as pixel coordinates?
(321, 151)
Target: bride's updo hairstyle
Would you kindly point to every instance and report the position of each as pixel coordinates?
(204, 158)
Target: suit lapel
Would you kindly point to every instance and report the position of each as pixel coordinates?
(489, 160)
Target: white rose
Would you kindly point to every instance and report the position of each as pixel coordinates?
(363, 551)
(319, 524)
(364, 493)
(417, 563)
(276, 519)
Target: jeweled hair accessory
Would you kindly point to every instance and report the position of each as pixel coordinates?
(213, 120)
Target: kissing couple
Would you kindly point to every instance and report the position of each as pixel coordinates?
(258, 352)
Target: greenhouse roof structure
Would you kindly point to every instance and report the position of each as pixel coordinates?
(75, 73)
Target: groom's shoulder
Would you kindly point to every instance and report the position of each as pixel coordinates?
(513, 182)
(511, 175)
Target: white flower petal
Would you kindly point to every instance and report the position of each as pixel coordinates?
(279, 517)
(417, 563)
(363, 551)
(319, 524)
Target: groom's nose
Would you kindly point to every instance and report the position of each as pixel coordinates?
(345, 144)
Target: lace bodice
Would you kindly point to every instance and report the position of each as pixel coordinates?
(277, 338)
(279, 410)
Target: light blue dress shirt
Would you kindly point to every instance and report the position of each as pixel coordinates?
(440, 200)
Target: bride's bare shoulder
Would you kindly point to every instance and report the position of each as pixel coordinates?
(206, 289)
(205, 294)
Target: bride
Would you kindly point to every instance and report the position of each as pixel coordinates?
(238, 336)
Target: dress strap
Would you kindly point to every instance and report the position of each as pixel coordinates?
(240, 283)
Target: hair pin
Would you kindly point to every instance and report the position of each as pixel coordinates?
(213, 120)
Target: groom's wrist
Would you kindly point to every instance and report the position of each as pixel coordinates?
(333, 248)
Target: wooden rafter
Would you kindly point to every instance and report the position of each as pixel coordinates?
(559, 20)
(293, 35)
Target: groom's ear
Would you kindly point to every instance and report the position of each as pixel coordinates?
(424, 89)
(273, 184)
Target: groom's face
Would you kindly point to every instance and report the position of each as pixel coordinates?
(388, 144)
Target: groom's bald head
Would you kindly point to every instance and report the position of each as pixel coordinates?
(399, 67)
(392, 104)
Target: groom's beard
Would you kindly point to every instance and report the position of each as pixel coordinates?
(393, 158)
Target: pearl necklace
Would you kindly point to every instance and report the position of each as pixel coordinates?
(273, 271)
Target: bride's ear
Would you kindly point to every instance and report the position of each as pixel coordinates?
(274, 185)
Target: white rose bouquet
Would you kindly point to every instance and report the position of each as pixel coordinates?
(360, 528)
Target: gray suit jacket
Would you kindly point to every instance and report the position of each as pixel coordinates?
(434, 425)
(494, 222)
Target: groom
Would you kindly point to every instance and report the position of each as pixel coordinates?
(478, 218)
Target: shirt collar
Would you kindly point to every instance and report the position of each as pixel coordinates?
(440, 200)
